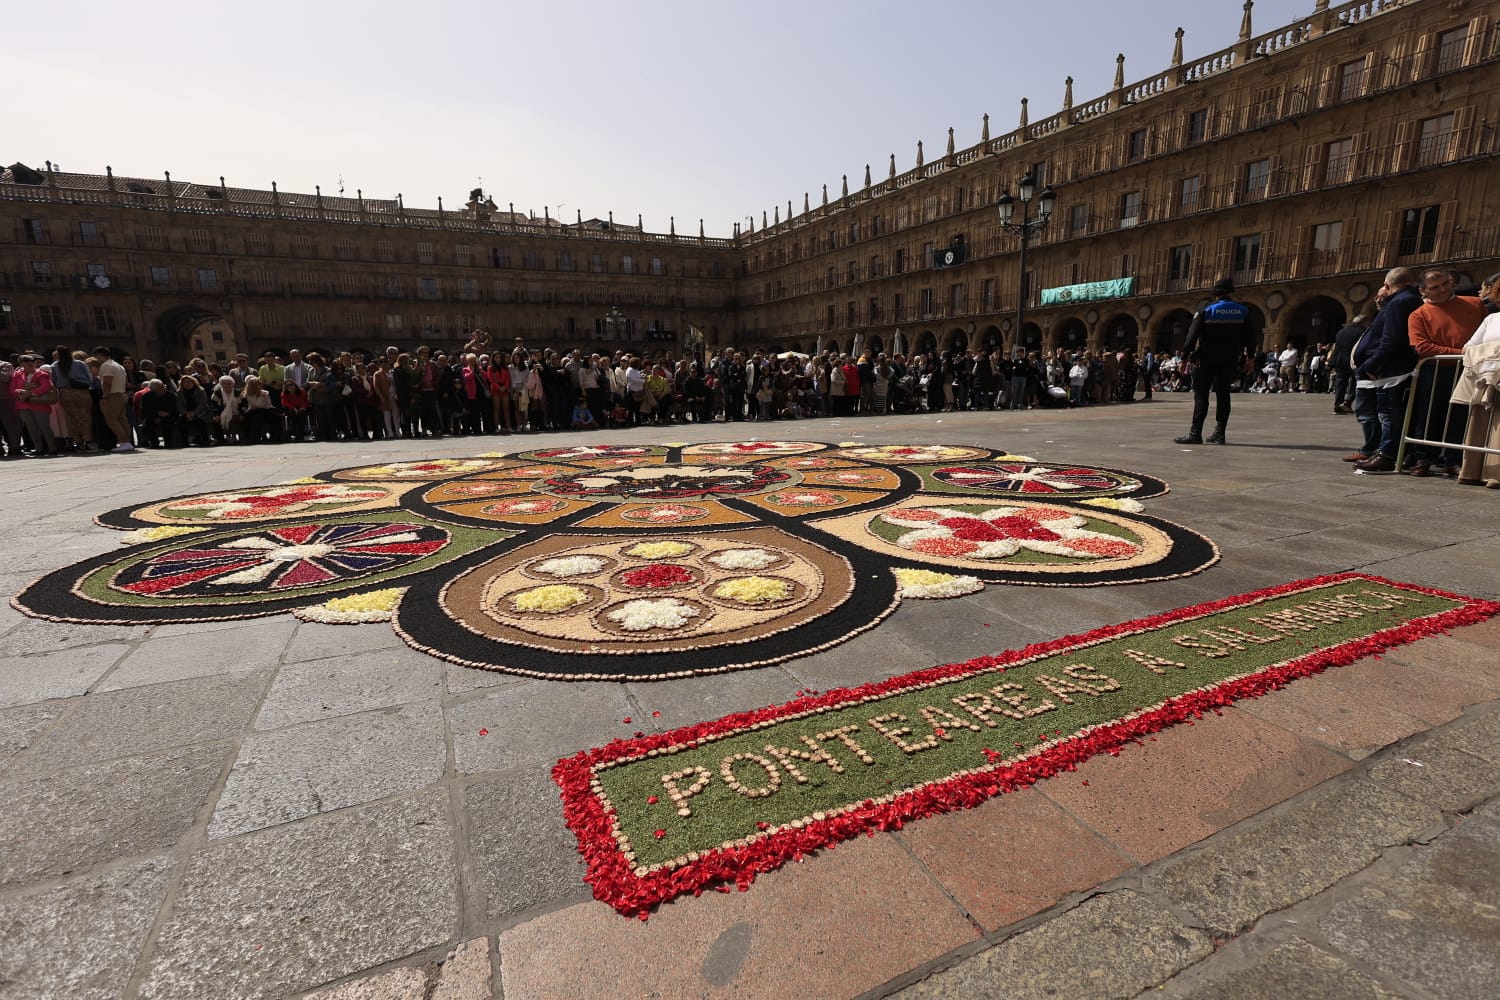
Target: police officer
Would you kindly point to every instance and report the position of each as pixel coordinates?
(1217, 341)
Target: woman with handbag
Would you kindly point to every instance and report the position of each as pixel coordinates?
(70, 377)
(35, 396)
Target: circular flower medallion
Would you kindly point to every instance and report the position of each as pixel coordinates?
(663, 482)
(1035, 480)
(665, 513)
(279, 560)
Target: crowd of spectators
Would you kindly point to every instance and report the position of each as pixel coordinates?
(68, 401)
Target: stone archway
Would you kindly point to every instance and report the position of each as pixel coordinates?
(1170, 332)
(991, 339)
(1072, 334)
(1119, 332)
(1030, 338)
(1314, 321)
(197, 331)
(957, 340)
(926, 341)
(875, 345)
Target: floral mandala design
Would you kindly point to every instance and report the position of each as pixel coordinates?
(625, 561)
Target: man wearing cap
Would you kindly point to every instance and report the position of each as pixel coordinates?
(1220, 335)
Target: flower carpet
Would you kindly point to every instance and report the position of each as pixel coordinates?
(715, 804)
(634, 562)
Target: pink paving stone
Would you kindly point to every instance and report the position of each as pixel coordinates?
(1471, 654)
(1193, 781)
(1337, 711)
(466, 973)
(835, 925)
(1404, 678)
(1013, 856)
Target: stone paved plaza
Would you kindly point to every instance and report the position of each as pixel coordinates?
(269, 808)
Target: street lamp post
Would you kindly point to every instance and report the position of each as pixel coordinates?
(1007, 208)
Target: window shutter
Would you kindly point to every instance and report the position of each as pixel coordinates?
(1474, 47)
(1401, 149)
(1361, 165)
(1463, 133)
(1302, 253)
(1447, 222)
(1225, 261)
(1385, 245)
(1420, 58)
(1313, 166)
(1268, 255)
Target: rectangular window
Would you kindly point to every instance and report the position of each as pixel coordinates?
(900, 264)
(1352, 80)
(463, 255)
(658, 267)
(265, 281)
(200, 241)
(531, 258)
(987, 291)
(1039, 174)
(1130, 209)
(876, 267)
(391, 287)
(152, 238)
(51, 317)
(874, 310)
(268, 319)
(1256, 180)
(1180, 268)
(1197, 127)
(1247, 259)
(41, 272)
(832, 281)
(349, 284)
(104, 319)
(468, 289)
(854, 232)
(852, 311)
(36, 230)
(354, 322)
(1338, 165)
(427, 288)
(1450, 50)
(302, 246)
(1436, 142)
(394, 321)
(927, 254)
(257, 245)
(96, 271)
(313, 320)
(161, 276)
(957, 300)
(627, 264)
(924, 307)
(1135, 146)
(565, 260)
(343, 250)
(385, 251)
(852, 271)
(877, 226)
(88, 234)
(596, 263)
(1418, 231)
(898, 308)
(1263, 111)
(1326, 241)
(1127, 265)
(424, 253)
(208, 279)
(1189, 190)
(1078, 220)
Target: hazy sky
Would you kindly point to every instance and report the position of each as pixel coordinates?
(661, 107)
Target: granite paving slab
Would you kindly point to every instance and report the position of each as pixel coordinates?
(321, 766)
(522, 855)
(67, 821)
(153, 717)
(290, 909)
(60, 673)
(208, 654)
(342, 685)
(80, 941)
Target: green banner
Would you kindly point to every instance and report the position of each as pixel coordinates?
(1089, 291)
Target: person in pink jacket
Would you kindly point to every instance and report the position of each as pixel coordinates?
(32, 385)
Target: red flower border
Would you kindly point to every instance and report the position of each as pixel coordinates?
(614, 881)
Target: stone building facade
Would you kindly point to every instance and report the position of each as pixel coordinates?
(1302, 162)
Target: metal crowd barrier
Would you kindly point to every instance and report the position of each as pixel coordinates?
(1467, 429)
